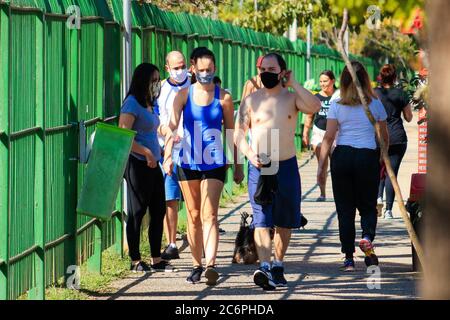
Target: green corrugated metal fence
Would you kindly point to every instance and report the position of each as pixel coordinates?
(52, 78)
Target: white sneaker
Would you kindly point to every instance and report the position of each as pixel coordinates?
(380, 206)
(388, 215)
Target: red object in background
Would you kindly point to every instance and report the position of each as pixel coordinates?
(259, 61)
(423, 134)
(417, 192)
(416, 25)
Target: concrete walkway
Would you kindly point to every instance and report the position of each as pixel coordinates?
(313, 259)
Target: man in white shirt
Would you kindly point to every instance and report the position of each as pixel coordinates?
(178, 79)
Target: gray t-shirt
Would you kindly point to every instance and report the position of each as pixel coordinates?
(145, 124)
(355, 129)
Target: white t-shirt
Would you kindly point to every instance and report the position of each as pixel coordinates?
(355, 128)
(165, 104)
(336, 96)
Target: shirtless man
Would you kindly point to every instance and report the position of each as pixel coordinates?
(272, 112)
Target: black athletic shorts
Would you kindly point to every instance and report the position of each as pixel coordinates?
(189, 175)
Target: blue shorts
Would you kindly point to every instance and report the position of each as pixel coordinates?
(173, 191)
(285, 211)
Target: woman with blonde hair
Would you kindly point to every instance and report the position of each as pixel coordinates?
(355, 163)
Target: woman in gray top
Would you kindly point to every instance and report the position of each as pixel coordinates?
(355, 163)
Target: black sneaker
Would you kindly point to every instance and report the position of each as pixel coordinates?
(278, 277)
(221, 231)
(140, 267)
(211, 276)
(163, 266)
(170, 253)
(303, 222)
(195, 276)
(263, 278)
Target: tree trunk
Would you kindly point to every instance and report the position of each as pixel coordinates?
(436, 283)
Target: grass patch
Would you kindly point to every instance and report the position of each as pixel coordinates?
(182, 226)
(114, 267)
(60, 293)
(227, 199)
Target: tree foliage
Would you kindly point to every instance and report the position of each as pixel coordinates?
(206, 8)
(386, 43)
(401, 10)
(273, 16)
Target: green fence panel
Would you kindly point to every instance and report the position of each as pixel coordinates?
(217, 48)
(149, 40)
(113, 47)
(180, 43)
(4, 146)
(137, 47)
(205, 41)
(60, 148)
(164, 42)
(192, 43)
(90, 109)
(113, 234)
(26, 147)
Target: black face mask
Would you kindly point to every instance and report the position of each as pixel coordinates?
(270, 80)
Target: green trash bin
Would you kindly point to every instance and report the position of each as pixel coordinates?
(104, 171)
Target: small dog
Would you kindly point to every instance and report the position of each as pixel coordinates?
(244, 245)
(245, 249)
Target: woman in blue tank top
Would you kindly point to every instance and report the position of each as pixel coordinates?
(202, 163)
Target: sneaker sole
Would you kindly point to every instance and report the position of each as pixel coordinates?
(281, 285)
(211, 276)
(262, 281)
(169, 258)
(142, 272)
(192, 282)
(165, 270)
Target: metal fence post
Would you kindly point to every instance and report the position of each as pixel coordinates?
(38, 292)
(126, 81)
(70, 247)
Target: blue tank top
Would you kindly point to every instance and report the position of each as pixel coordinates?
(202, 146)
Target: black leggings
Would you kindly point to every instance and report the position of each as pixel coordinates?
(356, 175)
(145, 189)
(396, 154)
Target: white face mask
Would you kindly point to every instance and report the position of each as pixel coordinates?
(179, 75)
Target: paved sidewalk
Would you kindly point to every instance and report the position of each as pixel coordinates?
(312, 260)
